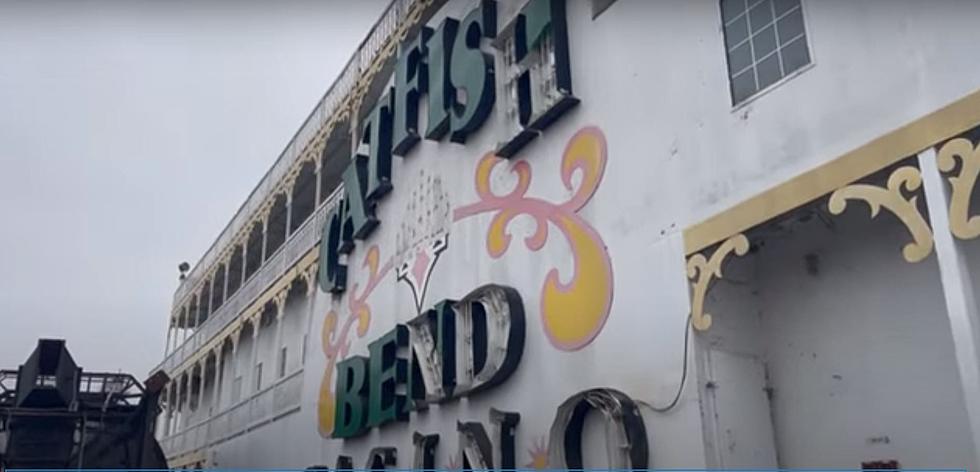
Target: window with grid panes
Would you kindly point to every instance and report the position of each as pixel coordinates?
(765, 40)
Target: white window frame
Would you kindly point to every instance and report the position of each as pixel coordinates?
(808, 32)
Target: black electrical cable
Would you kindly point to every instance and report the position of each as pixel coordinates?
(680, 388)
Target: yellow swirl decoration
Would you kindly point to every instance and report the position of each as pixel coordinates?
(498, 240)
(335, 343)
(701, 270)
(586, 152)
(961, 224)
(326, 405)
(572, 312)
(906, 210)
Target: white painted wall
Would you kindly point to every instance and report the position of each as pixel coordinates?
(227, 378)
(293, 327)
(858, 353)
(652, 76)
(243, 363)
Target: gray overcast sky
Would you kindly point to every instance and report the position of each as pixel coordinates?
(130, 132)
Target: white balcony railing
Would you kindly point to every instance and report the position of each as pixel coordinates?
(299, 243)
(277, 400)
(304, 238)
(321, 113)
(284, 396)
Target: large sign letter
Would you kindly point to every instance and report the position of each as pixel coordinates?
(376, 133)
(491, 323)
(628, 436)
(441, 93)
(360, 209)
(433, 340)
(425, 451)
(386, 372)
(541, 29)
(337, 239)
(471, 71)
(411, 82)
(351, 391)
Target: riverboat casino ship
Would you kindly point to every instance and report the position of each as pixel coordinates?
(596, 233)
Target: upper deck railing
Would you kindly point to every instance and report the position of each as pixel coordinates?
(356, 75)
(324, 109)
(298, 244)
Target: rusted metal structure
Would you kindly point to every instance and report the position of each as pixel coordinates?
(55, 415)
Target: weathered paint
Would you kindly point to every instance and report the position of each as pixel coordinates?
(854, 339)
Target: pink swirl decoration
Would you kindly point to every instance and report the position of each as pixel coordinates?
(572, 312)
(336, 343)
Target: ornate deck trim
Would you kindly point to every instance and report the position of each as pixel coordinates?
(951, 120)
(892, 198)
(962, 182)
(300, 270)
(702, 270)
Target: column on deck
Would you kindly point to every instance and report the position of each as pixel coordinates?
(256, 322)
(280, 301)
(307, 325)
(170, 332)
(186, 322)
(316, 173)
(244, 263)
(216, 384)
(957, 282)
(201, 364)
(224, 290)
(178, 410)
(168, 407)
(265, 237)
(289, 215)
(235, 338)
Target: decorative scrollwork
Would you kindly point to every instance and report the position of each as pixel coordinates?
(309, 278)
(701, 270)
(279, 299)
(262, 214)
(961, 224)
(352, 100)
(574, 311)
(895, 201)
(334, 336)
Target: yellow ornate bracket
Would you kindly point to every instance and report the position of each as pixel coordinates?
(894, 200)
(961, 224)
(309, 277)
(701, 270)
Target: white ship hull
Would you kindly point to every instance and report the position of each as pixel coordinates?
(819, 336)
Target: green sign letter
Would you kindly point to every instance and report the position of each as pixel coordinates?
(441, 92)
(411, 81)
(376, 133)
(472, 72)
(351, 391)
(386, 372)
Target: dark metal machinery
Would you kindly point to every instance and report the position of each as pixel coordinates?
(53, 415)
